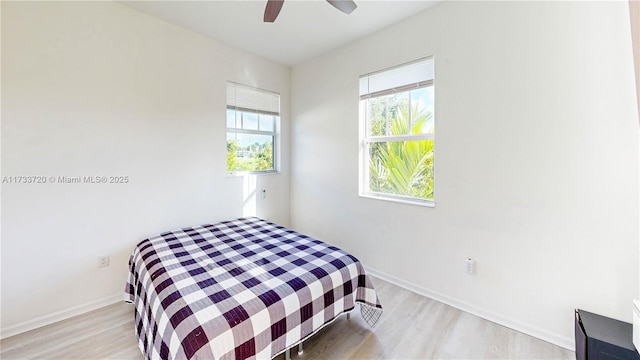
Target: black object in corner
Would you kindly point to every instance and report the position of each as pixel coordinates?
(602, 338)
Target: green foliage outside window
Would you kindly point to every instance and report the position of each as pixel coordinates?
(402, 168)
(254, 157)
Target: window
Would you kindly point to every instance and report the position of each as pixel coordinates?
(398, 133)
(252, 119)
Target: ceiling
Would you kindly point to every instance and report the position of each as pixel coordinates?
(303, 30)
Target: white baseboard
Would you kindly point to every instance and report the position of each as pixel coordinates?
(562, 341)
(59, 316)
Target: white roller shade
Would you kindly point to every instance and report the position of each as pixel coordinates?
(246, 98)
(397, 79)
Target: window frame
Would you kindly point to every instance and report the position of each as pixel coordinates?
(274, 133)
(366, 140)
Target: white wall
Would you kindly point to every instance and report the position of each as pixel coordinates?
(536, 161)
(634, 13)
(97, 88)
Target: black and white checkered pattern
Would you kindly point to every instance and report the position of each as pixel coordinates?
(240, 289)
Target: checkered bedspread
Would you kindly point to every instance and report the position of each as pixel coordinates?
(240, 289)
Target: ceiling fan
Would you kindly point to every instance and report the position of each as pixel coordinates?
(274, 6)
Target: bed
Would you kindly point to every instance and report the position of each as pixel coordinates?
(238, 289)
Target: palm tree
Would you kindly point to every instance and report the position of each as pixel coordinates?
(404, 167)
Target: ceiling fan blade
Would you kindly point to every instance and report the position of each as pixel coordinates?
(272, 10)
(346, 6)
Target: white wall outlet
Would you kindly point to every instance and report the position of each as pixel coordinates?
(103, 261)
(469, 266)
(264, 194)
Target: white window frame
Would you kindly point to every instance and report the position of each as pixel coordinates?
(259, 106)
(366, 140)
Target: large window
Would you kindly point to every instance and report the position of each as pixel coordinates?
(398, 133)
(252, 119)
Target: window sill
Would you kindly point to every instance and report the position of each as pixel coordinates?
(245, 173)
(423, 203)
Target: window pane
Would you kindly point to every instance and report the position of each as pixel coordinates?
(402, 168)
(231, 119)
(397, 114)
(388, 115)
(422, 119)
(267, 123)
(249, 152)
(376, 116)
(249, 121)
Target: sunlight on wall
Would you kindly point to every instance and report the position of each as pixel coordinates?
(249, 196)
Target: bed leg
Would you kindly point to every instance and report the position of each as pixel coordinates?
(349, 315)
(287, 354)
(300, 349)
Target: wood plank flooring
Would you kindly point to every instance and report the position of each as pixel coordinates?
(412, 327)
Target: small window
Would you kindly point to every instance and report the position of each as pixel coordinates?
(252, 118)
(398, 133)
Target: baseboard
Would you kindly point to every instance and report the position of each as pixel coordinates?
(59, 316)
(562, 341)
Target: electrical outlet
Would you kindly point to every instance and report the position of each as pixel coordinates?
(264, 194)
(103, 261)
(469, 266)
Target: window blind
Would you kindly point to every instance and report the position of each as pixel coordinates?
(397, 79)
(246, 98)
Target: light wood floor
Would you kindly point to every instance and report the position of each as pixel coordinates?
(412, 327)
